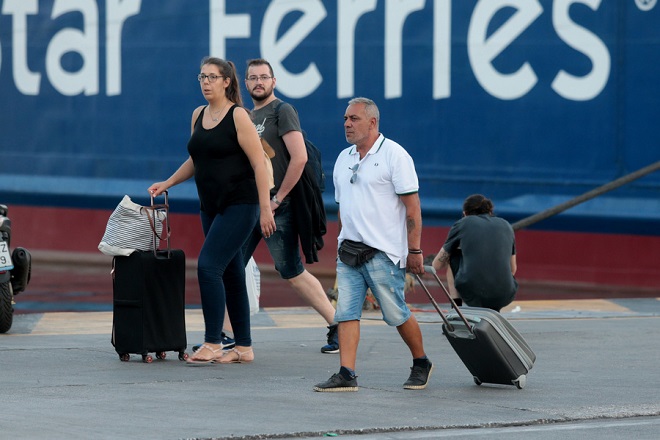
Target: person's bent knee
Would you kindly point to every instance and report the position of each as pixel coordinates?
(292, 273)
(209, 272)
(399, 319)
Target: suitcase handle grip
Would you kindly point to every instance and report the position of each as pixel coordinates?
(160, 207)
(431, 269)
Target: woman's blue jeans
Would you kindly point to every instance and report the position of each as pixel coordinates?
(221, 272)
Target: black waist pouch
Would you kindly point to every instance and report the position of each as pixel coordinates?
(354, 254)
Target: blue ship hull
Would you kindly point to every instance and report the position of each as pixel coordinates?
(528, 102)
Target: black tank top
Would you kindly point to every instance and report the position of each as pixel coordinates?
(223, 173)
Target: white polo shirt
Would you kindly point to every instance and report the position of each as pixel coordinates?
(370, 208)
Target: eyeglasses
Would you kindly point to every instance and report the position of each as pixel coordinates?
(255, 78)
(212, 78)
(354, 168)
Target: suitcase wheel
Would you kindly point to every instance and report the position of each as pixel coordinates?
(183, 356)
(161, 355)
(520, 382)
(147, 358)
(124, 357)
(477, 380)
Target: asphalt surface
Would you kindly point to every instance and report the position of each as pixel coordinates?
(597, 376)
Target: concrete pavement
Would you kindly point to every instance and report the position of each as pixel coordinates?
(597, 369)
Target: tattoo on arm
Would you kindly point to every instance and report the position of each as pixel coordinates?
(410, 224)
(444, 257)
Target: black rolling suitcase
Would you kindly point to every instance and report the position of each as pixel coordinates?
(491, 349)
(149, 301)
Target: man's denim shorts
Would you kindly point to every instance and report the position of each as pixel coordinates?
(386, 281)
(283, 245)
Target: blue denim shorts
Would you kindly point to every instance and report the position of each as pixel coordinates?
(386, 281)
(282, 245)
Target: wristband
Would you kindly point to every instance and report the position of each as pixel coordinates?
(415, 251)
(274, 200)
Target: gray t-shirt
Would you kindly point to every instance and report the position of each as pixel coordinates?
(480, 247)
(271, 128)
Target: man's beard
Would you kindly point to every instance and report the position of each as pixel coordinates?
(261, 98)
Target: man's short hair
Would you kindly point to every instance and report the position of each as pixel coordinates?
(258, 62)
(370, 108)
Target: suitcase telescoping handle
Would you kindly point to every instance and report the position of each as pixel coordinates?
(154, 209)
(450, 327)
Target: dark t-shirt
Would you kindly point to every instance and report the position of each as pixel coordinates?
(223, 173)
(266, 122)
(484, 245)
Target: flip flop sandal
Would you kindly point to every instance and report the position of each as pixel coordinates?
(191, 359)
(224, 359)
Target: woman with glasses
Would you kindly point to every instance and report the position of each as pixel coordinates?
(227, 161)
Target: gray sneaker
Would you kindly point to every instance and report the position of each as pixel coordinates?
(337, 383)
(419, 377)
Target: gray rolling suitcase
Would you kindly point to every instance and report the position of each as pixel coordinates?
(491, 349)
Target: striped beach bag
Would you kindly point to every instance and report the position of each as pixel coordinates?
(133, 227)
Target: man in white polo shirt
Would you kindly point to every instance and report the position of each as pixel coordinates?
(380, 225)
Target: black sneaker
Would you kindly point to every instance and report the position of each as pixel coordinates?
(333, 340)
(419, 377)
(226, 343)
(337, 383)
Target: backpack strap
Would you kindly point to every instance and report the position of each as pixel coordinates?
(313, 153)
(277, 108)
